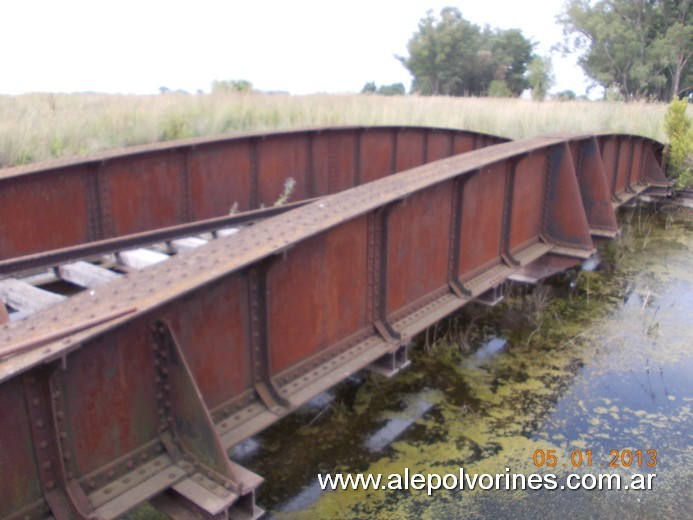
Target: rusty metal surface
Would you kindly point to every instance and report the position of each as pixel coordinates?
(64, 203)
(54, 257)
(218, 342)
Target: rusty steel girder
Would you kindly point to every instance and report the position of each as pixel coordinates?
(64, 203)
(142, 385)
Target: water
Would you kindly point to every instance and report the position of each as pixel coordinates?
(604, 364)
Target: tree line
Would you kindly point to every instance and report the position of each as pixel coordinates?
(451, 56)
(632, 48)
(640, 48)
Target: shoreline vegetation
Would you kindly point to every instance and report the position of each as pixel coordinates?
(43, 126)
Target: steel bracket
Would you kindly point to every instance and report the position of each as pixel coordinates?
(392, 362)
(459, 289)
(63, 494)
(454, 283)
(186, 428)
(262, 380)
(492, 297)
(387, 331)
(509, 260)
(380, 254)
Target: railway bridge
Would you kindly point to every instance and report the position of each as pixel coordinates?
(157, 307)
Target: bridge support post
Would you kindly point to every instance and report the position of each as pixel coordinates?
(189, 436)
(392, 362)
(379, 246)
(564, 219)
(594, 190)
(62, 492)
(262, 381)
(455, 239)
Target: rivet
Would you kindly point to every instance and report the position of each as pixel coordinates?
(46, 465)
(43, 444)
(67, 455)
(36, 401)
(107, 491)
(39, 423)
(50, 484)
(91, 484)
(129, 464)
(111, 474)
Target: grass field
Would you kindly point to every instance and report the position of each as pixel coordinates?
(35, 127)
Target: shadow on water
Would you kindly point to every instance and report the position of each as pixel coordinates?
(598, 359)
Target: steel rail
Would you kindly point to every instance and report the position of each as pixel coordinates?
(52, 258)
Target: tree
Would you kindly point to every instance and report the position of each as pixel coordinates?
(540, 77)
(643, 46)
(396, 89)
(566, 95)
(369, 88)
(234, 85)
(499, 88)
(451, 56)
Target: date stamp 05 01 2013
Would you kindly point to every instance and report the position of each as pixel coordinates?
(583, 458)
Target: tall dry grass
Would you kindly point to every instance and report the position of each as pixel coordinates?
(35, 127)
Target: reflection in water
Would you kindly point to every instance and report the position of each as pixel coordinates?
(486, 352)
(394, 427)
(610, 369)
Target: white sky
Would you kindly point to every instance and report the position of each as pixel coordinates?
(300, 46)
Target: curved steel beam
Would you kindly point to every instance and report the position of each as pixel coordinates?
(63, 203)
(221, 341)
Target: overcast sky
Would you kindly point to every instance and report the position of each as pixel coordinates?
(299, 46)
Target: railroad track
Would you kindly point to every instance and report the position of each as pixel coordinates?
(35, 282)
(137, 386)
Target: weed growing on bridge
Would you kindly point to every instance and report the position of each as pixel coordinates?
(35, 127)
